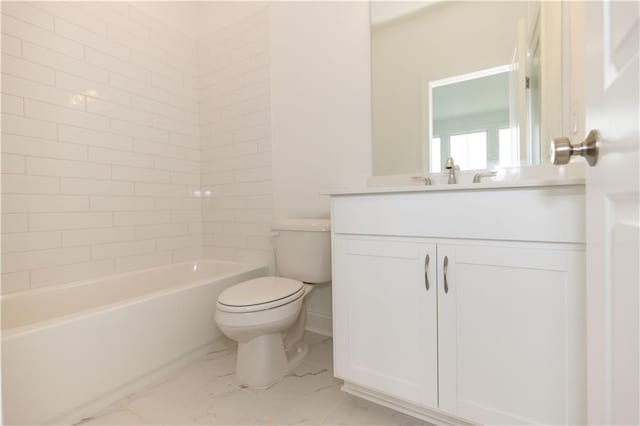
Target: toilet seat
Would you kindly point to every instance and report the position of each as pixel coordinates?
(260, 294)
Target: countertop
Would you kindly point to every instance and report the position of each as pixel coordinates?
(488, 185)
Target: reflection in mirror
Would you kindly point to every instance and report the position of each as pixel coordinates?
(470, 121)
(463, 79)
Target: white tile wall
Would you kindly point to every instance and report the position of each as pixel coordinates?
(112, 119)
(100, 142)
(235, 133)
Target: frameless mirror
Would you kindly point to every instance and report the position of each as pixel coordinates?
(473, 80)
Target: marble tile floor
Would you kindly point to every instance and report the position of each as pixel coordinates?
(205, 393)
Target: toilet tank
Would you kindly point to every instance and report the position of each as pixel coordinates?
(303, 249)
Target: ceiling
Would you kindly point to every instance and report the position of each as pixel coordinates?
(471, 97)
(383, 12)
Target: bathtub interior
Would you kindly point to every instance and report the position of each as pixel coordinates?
(35, 306)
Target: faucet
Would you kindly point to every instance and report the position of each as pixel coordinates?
(425, 179)
(478, 176)
(452, 170)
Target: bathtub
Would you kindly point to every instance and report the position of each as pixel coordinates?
(72, 349)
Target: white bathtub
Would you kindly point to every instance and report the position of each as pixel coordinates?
(68, 350)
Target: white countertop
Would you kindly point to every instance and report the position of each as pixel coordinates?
(457, 187)
(508, 178)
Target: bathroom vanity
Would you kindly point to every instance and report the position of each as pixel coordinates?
(463, 303)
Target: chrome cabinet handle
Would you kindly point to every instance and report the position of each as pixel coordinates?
(562, 150)
(426, 272)
(446, 282)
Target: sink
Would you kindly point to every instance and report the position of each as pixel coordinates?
(513, 176)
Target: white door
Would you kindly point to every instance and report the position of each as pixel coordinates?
(384, 295)
(511, 333)
(611, 75)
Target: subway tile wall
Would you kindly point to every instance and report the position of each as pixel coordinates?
(235, 131)
(101, 144)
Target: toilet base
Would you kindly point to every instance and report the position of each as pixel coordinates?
(267, 358)
(261, 361)
(297, 355)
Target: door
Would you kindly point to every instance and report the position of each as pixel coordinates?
(611, 89)
(511, 336)
(384, 297)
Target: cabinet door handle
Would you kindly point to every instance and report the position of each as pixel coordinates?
(446, 282)
(426, 272)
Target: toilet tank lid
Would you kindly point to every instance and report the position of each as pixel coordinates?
(300, 224)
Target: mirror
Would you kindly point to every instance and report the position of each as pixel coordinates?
(470, 121)
(473, 80)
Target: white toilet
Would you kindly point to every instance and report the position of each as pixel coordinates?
(266, 316)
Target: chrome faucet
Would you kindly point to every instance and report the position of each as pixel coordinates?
(478, 176)
(452, 170)
(425, 179)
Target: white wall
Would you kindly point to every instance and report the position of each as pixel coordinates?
(100, 144)
(320, 103)
(222, 15)
(320, 112)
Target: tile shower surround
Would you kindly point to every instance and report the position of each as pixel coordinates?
(235, 135)
(119, 132)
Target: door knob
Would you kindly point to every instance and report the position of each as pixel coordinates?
(562, 150)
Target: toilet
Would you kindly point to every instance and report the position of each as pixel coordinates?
(267, 315)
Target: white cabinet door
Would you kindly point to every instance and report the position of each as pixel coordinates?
(511, 334)
(385, 317)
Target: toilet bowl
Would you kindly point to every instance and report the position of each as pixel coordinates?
(267, 315)
(264, 331)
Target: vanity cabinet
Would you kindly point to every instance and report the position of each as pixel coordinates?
(387, 315)
(511, 333)
(458, 329)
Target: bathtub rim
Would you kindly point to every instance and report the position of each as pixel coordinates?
(24, 330)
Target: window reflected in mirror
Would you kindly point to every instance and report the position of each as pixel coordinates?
(470, 121)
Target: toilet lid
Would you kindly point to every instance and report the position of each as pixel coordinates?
(260, 291)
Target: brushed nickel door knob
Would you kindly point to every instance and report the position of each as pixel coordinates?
(562, 150)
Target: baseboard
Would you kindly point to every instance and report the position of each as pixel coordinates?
(319, 323)
(431, 415)
(91, 408)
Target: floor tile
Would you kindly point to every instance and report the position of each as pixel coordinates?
(205, 392)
